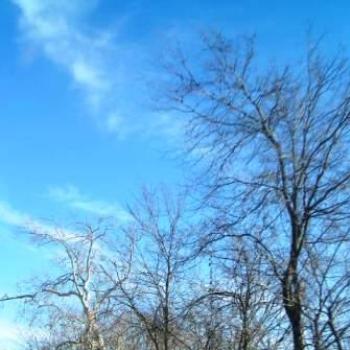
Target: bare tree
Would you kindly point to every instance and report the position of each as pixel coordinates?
(154, 287)
(271, 264)
(326, 304)
(72, 308)
(241, 306)
(273, 143)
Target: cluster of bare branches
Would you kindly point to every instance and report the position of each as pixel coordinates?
(274, 146)
(263, 263)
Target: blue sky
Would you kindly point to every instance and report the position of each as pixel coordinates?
(79, 135)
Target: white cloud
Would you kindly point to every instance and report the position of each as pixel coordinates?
(73, 198)
(9, 336)
(13, 334)
(13, 217)
(114, 122)
(58, 30)
(111, 75)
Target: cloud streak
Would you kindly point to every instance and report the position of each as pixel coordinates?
(12, 217)
(111, 74)
(57, 29)
(73, 198)
(14, 335)
(10, 334)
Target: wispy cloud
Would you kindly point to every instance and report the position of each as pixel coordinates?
(111, 74)
(9, 335)
(13, 217)
(13, 335)
(58, 29)
(73, 198)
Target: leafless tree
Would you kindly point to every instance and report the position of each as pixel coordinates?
(241, 306)
(154, 287)
(274, 146)
(326, 304)
(72, 309)
(264, 262)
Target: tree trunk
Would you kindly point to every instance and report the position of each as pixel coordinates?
(292, 303)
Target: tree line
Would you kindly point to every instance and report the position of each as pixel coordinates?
(255, 254)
